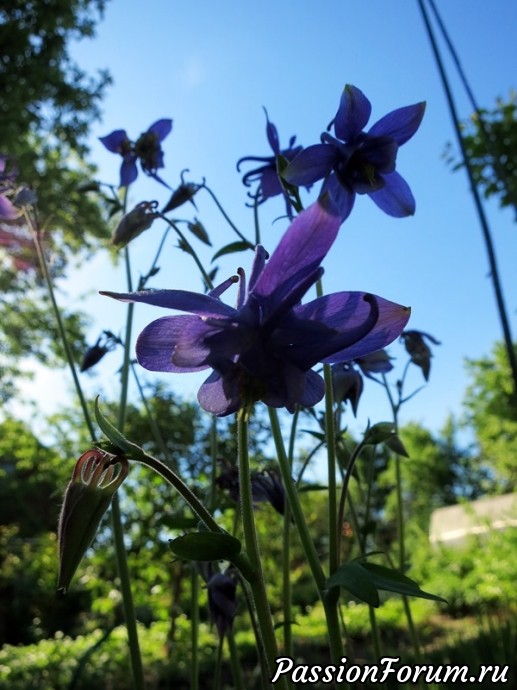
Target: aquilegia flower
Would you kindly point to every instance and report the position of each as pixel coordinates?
(357, 162)
(147, 149)
(265, 348)
(266, 175)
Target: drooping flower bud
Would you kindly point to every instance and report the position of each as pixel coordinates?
(419, 350)
(134, 223)
(375, 363)
(185, 192)
(96, 477)
(347, 384)
(106, 342)
(222, 601)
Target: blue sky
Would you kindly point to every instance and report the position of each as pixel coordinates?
(212, 66)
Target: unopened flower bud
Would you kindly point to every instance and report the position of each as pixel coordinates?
(419, 350)
(96, 477)
(135, 222)
(347, 384)
(185, 192)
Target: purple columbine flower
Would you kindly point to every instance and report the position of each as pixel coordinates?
(147, 149)
(267, 175)
(265, 347)
(357, 162)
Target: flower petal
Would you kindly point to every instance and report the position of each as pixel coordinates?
(183, 300)
(114, 141)
(299, 254)
(311, 165)
(314, 389)
(272, 135)
(353, 113)
(395, 198)
(128, 171)
(348, 314)
(400, 124)
(270, 184)
(156, 343)
(342, 197)
(220, 396)
(161, 128)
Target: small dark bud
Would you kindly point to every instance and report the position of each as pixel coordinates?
(347, 385)
(185, 192)
(418, 350)
(135, 222)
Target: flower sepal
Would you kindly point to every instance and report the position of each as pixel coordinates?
(96, 477)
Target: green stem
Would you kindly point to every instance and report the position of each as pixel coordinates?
(61, 328)
(235, 661)
(191, 251)
(225, 215)
(333, 628)
(257, 584)
(194, 628)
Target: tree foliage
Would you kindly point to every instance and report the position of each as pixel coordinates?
(490, 139)
(492, 413)
(47, 106)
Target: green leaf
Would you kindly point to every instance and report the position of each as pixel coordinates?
(356, 580)
(394, 581)
(232, 248)
(205, 546)
(198, 230)
(385, 432)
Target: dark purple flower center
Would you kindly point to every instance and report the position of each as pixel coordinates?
(361, 164)
(148, 149)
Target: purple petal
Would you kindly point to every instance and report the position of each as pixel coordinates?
(391, 322)
(156, 343)
(314, 389)
(395, 198)
(311, 165)
(161, 128)
(353, 113)
(114, 141)
(211, 342)
(192, 302)
(272, 135)
(7, 209)
(342, 197)
(220, 396)
(400, 124)
(128, 171)
(270, 184)
(299, 254)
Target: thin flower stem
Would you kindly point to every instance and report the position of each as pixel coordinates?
(256, 219)
(395, 407)
(344, 491)
(286, 551)
(204, 274)
(224, 214)
(213, 465)
(257, 584)
(194, 628)
(235, 662)
(331, 613)
(61, 328)
(371, 611)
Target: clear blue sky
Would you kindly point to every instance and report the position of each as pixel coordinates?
(211, 66)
